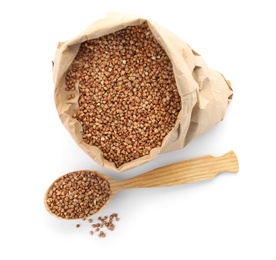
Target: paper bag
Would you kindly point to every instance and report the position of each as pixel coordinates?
(205, 93)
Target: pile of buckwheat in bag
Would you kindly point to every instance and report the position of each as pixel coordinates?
(128, 98)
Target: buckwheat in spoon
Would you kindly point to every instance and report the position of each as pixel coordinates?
(80, 194)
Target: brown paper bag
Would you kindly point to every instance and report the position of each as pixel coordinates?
(205, 94)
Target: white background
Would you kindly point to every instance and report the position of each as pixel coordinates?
(229, 217)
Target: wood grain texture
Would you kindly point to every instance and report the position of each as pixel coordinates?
(193, 170)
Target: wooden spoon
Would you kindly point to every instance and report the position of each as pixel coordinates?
(198, 169)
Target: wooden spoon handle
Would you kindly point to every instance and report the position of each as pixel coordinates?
(197, 169)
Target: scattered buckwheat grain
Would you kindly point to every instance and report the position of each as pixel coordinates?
(105, 222)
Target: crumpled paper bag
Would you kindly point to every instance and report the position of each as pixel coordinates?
(205, 93)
